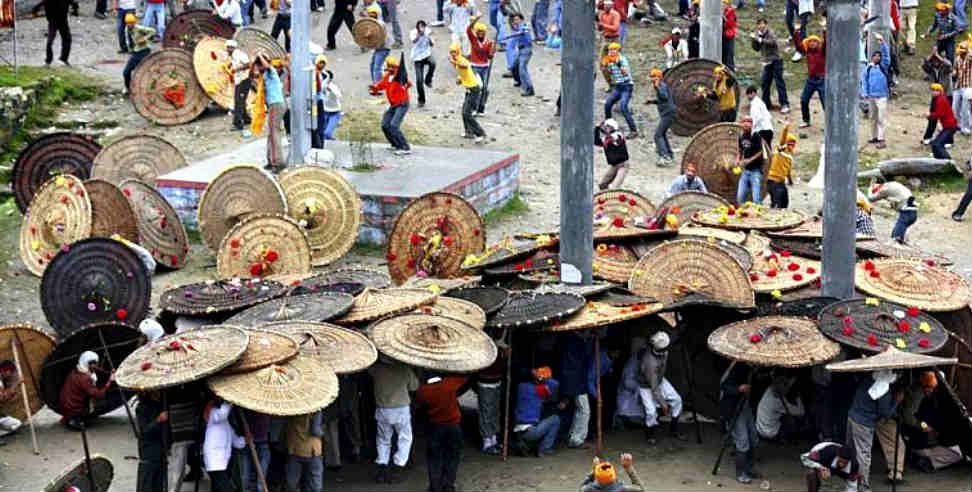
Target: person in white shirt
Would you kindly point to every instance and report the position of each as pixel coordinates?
(230, 10)
(459, 12)
(777, 416)
(219, 443)
(676, 48)
(328, 97)
(762, 120)
(240, 67)
(909, 23)
(123, 7)
(422, 43)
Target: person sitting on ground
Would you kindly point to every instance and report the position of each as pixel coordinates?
(941, 111)
(723, 90)
(924, 427)
(656, 392)
(531, 426)
(10, 382)
(79, 389)
(687, 182)
(604, 478)
(676, 49)
(609, 137)
(900, 197)
(781, 169)
(780, 412)
(828, 459)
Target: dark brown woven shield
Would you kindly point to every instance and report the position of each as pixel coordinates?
(876, 326)
(714, 150)
(807, 248)
(684, 205)
(892, 249)
(111, 211)
(301, 284)
(320, 306)
(687, 83)
(160, 230)
(741, 254)
(77, 476)
(214, 297)
(528, 309)
(255, 42)
(165, 90)
(489, 299)
(808, 307)
(358, 275)
(539, 261)
(120, 341)
(141, 157)
(369, 33)
(47, 156)
(186, 29)
(33, 347)
(621, 297)
(93, 281)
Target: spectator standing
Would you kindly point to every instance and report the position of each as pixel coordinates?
(422, 43)
(909, 13)
(815, 50)
(764, 42)
(962, 94)
(875, 92)
(729, 28)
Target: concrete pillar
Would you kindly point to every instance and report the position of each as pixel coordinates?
(577, 143)
(840, 137)
(300, 82)
(710, 30)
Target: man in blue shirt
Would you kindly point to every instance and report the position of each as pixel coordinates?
(530, 428)
(873, 403)
(875, 90)
(618, 73)
(274, 90)
(523, 42)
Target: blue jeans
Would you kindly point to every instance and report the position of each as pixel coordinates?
(750, 181)
(155, 18)
(122, 43)
(250, 480)
(439, 4)
(245, 11)
(662, 147)
(494, 14)
(509, 43)
(331, 121)
(905, 219)
(622, 32)
(133, 60)
(814, 84)
(378, 63)
(522, 73)
(391, 126)
(620, 93)
(544, 433)
(539, 19)
(305, 473)
(959, 11)
(482, 72)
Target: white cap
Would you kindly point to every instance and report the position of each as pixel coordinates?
(660, 340)
(231, 44)
(677, 31)
(611, 122)
(151, 329)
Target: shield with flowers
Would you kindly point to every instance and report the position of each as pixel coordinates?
(263, 246)
(873, 324)
(912, 282)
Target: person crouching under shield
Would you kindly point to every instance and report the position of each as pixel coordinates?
(80, 390)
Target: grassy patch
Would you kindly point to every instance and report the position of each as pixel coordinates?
(364, 124)
(516, 206)
(947, 182)
(362, 168)
(54, 87)
(10, 220)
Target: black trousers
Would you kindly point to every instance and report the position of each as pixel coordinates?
(767, 137)
(779, 196)
(729, 53)
(334, 25)
(469, 105)
(728, 116)
(133, 60)
(964, 202)
(57, 23)
(222, 481)
(101, 7)
(240, 116)
(281, 23)
(774, 73)
(938, 144)
(930, 131)
(150, 475)
(442, 453)
(424, 70)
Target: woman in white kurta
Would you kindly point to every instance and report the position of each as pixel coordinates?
(219, 444)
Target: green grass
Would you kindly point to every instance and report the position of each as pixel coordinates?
(364, 124)
(54, 88)
(516, 206)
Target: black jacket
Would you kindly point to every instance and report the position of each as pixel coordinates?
(150, 444)
(616, 151)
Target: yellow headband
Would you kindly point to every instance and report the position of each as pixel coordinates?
(937, 87)
(479, 27)
(655, 73)
(130, 19)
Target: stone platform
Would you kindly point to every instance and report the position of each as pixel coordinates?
(486, 178)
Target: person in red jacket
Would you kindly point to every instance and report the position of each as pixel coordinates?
(481, 51)
(941, 110)
(439, 396)
(814, 49)
(729, 26)
(80, 388)
(395, 85)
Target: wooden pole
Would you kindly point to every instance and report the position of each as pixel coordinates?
(87, 455)
(253, 454)
(577, 144)
(23, 393)
(166, 429)
(710, 30)
(597, 376)
(690, 379)
(111, 365)
(840, 135)
(506, 403)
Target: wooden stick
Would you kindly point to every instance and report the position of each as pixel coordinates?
(253, 453)
(509, 382)
(23, 393)
(87, 454)
(597, 370)
(111, 365)
(166, 430)
(30, 370)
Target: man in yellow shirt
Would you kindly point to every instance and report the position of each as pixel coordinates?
(723, 90)
(780, 167)
(474, 88)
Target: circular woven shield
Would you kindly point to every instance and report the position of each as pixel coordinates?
(434, 342)
(687, 82)
(756, 243)
(692, 230)
(77, 476)
(686, 267)
(875, 327)
(489, 299)
(214, 72)
(59, 214)
(507, 251)
(441, 285)
(782, 271)
(221, 296)
(264, 245)
(450, 307)
(621, 203)
(595, 289)
(160, 229)
(111, 211)
(912, 283)
(320, 306)
(890, 359)
(893, 249)
(182, 358)
(684, 205)
(613, 263)
(95, 280)
(714, 150)
(188, 28)
(807, 248)
(741, 254)
(527, 309)
(47, 156)
(255, 42)
(327, 207)
(434, 234)
(595, 314)
(542, 260)
(774, 341)
(369, 277)
(299, 386)
(165, 90)
(345, 351)
(33, 348)
(265, 347)
(373, 304)
(807, 307)
(369, 33)
(238, 192)
(750, 217)
(120, 340)
(140, 157)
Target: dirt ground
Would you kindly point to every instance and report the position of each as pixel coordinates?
(524, 125)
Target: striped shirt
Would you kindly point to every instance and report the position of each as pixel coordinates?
(619, 72)
(963, 72)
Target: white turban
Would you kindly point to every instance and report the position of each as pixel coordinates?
(87, 357)
(660, 340)
(151, 329)
(882, 383)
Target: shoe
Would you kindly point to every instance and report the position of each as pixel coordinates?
(926, 141)
(517, 84)
(263, 13)
(874, 140)
(319, 9)
(543, 453)
(193, 476)
(805, 124)
(247, 134)
(528, 94)
(957, 217)
(99, 15)
(557, 113)
(632, 135)
(796, 57)
(429, 84)
(331, 48)
(785, 109)
(479, 113)
(66, 63)
(493, 450)
(467, 136)
(421, 105)
(881, 145)
(122, 52)
(650, 436)
(396, 474)
(508, 75)
(479, 139)
(381, 476)
(744, 478)
(402, 152)
(437, 23)
(237, 128)
(948, 146)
